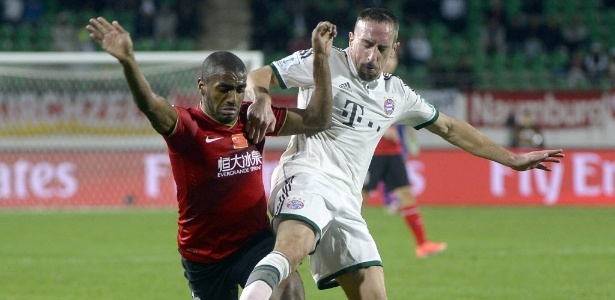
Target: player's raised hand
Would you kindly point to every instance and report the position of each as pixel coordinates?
(322, 37)
(112, 37)
(536, 160)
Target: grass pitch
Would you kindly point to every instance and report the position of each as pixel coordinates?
(494, 253)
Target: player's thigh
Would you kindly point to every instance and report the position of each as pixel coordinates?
(301, 213)
(366, 283)
(295, 239)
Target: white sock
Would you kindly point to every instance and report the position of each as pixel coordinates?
(256, 290)
(266, 276)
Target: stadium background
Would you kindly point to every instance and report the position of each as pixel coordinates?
(514, 44)
(482, 63)
(69, 130)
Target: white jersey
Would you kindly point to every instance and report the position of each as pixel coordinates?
(362, 111)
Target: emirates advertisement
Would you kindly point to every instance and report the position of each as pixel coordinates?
(439, 177)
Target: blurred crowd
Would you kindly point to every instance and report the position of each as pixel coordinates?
(59, 25)
(467, 44)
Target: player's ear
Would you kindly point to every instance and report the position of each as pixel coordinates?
(201, 86)
(395, 48)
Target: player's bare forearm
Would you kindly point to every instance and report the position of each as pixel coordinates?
(140, 88)
(262, 77)
(115, 40)
(158, 110)
(258, 84)
(260, 116)
(321, 105)
(466, 137)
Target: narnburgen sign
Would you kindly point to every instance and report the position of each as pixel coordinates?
(551, 109)
(439, 177)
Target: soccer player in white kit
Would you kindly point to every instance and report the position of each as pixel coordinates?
(316, 189)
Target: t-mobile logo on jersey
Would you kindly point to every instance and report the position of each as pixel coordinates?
(354, 112)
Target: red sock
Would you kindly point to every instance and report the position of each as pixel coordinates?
(415, 222)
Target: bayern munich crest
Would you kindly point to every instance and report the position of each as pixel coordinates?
(389, 106)
(295, 204)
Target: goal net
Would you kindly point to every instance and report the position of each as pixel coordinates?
(71, 136)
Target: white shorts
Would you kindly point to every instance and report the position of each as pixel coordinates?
(343, 242)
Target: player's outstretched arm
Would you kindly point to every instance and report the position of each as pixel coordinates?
(466, 137)
(317, 115)
(115, 40)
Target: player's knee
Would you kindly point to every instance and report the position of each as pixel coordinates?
(294, 253)
(405, 195)
(365, 283)
(365, 292)
(376, 295)
(295, 239)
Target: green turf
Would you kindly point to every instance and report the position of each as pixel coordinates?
(494, 253)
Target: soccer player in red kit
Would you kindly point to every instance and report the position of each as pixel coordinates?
(223, 225)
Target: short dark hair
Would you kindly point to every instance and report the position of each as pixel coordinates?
(379, 15)
(224, 60)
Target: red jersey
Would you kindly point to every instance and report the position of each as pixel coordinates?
(220, 193)
(389, 147)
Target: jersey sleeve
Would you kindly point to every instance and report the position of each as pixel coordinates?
(417, 112)
(295, 70)
(182, 127)
(280, 117)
